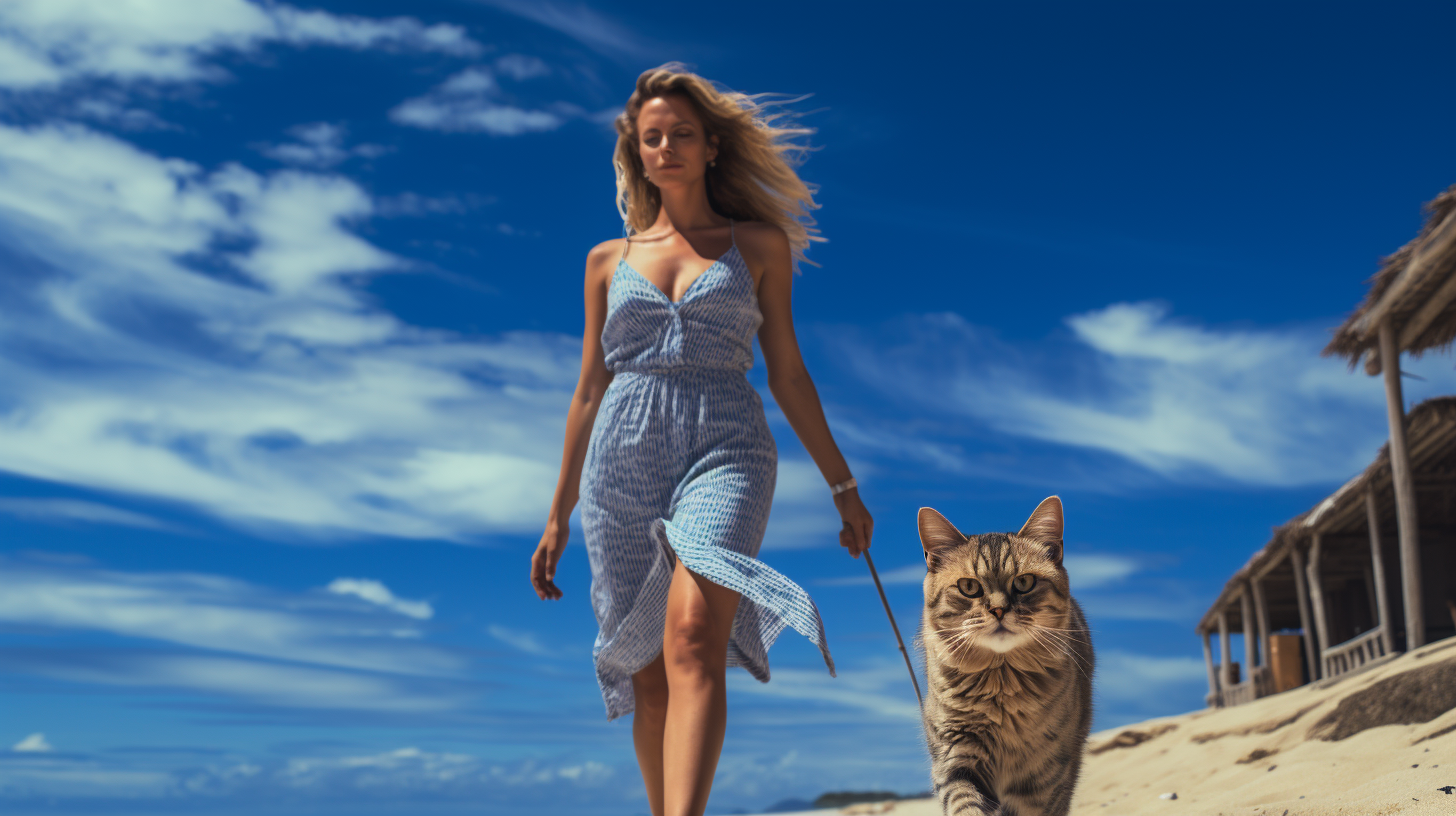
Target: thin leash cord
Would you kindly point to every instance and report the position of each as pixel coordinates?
(886, 601)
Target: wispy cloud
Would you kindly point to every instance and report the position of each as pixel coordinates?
(35, 743)
(881, 689)
(202, 337)
(220, 615)
(518, 639)
(1130, 686)
(45, 509)
(1184, 401)
(376, 592)
(398, 775)
(581, 23)
(44, 44)
(319, 145)
(474, 101)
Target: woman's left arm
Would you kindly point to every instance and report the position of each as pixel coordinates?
(792, 388)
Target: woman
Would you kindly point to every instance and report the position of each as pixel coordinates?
(666, 441)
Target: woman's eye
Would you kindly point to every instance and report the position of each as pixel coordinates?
(1024, 582)
(969, 587)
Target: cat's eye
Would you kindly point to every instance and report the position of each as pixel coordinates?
(970, 587)
(1023, 582)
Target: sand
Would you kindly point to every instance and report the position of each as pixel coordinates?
(1260, 759)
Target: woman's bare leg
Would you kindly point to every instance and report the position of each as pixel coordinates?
(695, 658)
(649, 720)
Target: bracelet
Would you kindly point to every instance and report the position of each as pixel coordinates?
(848, 484)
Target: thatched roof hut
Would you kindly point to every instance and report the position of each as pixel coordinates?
(1415, 290)
(1332, 573)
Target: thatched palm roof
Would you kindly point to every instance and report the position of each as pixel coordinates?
(1415, 289)
(1431, 432)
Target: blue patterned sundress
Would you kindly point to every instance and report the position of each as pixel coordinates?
(681, 464)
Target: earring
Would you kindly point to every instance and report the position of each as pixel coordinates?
(713, 163)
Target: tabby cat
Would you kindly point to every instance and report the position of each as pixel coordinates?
(1008, 659)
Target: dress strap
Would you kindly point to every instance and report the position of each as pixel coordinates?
(626, 240)
(731, 236)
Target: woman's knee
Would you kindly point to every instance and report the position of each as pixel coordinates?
(692, 642)
(649, 687)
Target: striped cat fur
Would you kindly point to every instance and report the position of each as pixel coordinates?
(1008, 660)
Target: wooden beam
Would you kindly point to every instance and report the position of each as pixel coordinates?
(1225, 671)
(1405, 492)
(1246, 610)
(1317, 596)
(1261, 612)
(1208, 662)
(1377, 568)
(1302, 593)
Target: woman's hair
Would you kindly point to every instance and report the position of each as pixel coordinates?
(754, 179)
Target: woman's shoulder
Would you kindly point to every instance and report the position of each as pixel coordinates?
(602, 258)
(763, 240)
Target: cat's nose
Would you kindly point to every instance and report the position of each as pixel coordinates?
(998, 611)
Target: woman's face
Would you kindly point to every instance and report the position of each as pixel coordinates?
(671, 141)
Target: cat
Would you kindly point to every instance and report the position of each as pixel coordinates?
(1008, 661)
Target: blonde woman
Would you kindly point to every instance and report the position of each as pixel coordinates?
(666, 441)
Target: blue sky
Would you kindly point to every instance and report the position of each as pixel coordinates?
(291, 314)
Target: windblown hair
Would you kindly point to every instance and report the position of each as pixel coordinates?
(754, 179)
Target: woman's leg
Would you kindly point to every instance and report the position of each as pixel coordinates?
(695, 658)
(649, 719)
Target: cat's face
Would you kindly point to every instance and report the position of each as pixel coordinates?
(995, 593)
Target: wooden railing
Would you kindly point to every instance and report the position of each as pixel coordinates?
(1261, 684)
(1354, 653)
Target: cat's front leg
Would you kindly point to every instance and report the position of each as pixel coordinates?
(964, 789)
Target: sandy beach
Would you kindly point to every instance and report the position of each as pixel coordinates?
(1299, 753)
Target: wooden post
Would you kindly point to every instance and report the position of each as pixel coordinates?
(1405, 492)
(1317, 600)
(1377, 567)
(1246, 612)
(1225, 671)
(1302, 594)
(1261, 613)
(1208, 662)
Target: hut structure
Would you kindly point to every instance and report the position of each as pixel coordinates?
(1371, 570)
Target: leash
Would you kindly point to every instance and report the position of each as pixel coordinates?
(886, 601)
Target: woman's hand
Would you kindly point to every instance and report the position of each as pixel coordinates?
(855, 534)
(543, 563)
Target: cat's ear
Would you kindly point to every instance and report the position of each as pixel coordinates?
(1045, 526)
(936, 533)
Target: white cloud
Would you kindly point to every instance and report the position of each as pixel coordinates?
(376, 592)
(803, 513)
(1094, 570)
(319, 145)
(882, 690)
(1132, 686)
(522, 66)
(256, 382)
(77, 510)
(44, 43)
(473, 101)
(35, 743)
(1256, 406)
(219, 614)
(517, 639)
(581, 23)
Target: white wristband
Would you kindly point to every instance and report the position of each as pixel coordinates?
(849, 484)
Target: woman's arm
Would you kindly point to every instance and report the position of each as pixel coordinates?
(590, 387)
(792, 388)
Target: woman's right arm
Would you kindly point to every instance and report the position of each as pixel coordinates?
(590, 387)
